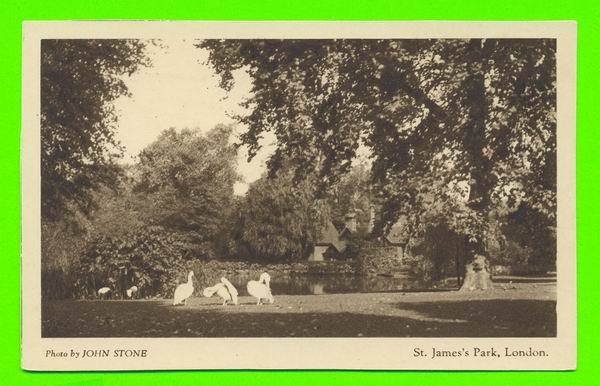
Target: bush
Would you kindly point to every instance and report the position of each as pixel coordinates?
(511, 254)
(520, 260)
(151, 259)
(372, 256)
(421, 267)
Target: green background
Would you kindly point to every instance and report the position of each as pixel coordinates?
(587, 15)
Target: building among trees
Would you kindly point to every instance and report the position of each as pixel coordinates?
(333, 243)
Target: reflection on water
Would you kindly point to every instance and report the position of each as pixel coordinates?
(282, 284)
(317, 288)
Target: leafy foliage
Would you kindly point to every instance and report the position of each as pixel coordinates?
(279, 220)
(352, 193)
(528, 241)
(79, 81)
(62, 243)
(161, 213)
(184, 183)
(150, 258)
(462, 135)
(460, 130)
(120, 210)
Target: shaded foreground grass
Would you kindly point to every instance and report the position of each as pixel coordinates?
(521, 310)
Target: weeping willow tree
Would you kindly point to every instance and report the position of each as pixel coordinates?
(279, 219)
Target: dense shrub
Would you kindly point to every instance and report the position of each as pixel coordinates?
(510, 253)
(151, 259)
(525, 243)
(372, 256)
(421, 267)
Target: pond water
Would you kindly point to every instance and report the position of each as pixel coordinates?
(331, 284)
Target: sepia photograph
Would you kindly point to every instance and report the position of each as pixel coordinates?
(343, 187)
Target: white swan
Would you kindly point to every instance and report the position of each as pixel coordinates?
(232, 290)
(184, 291)
(131, 291)
(261, 289)
(224, 289)
(103, 292)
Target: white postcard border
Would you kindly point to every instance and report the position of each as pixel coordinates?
(295, 353)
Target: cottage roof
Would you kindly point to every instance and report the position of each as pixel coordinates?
(331, 236)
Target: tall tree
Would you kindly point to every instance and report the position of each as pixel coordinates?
(184, 181)
(279, 218)
(80, 80)
(470, 119)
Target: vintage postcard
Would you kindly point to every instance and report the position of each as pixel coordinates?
(298, 195)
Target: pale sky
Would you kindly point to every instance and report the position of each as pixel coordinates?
(180, 90)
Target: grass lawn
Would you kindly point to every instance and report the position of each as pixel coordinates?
(512, 309)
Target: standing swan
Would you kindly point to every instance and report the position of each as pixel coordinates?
(261, 289)
(224, 289)
(184, 291)
(132, 291)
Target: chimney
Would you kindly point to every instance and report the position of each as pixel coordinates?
(371, 219)
(351, 221)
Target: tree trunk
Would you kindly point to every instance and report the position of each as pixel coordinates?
(477, 275)
(482, 179)
(457, 259)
